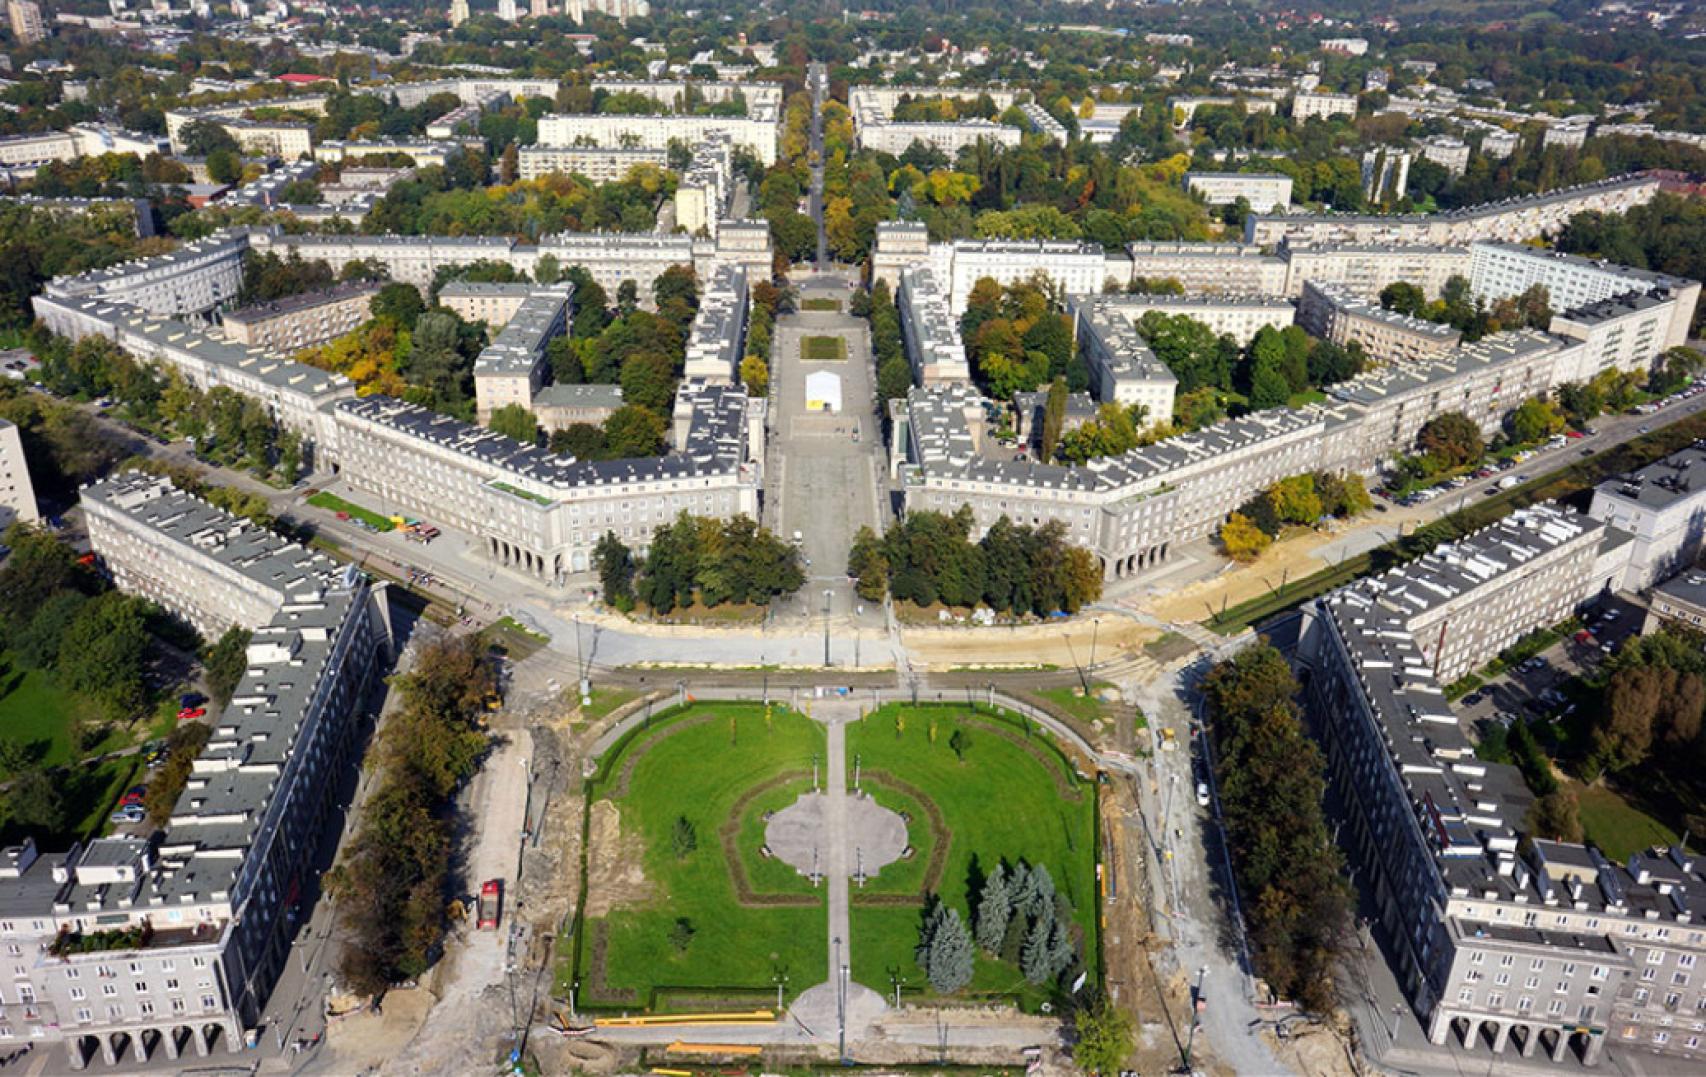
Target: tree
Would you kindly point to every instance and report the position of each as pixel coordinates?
(34, 802)
(1269, 387)
(104, 654)
(1054, 419)
(867, 563)
(1036, 959)
(755, 376)
(515, 421)
(994, 910)
(1102, 1039)
(1556, 817)
(1625, 735)
(960, 742)
(1535, 419)
(633, 431)
(683, 838)
(39, 567)
(945, 950)
(1295, 501)
(1404, 297)
(225, 663)
(1242, 539)
(681, 934)
(614, 563)
(1452, 438)
(400, 303)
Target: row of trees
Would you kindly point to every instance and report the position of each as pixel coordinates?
(1667, 235)
(1300, 500)
(393, 878)
(894, 373)
(1459, 307)
(1021, 919)
(929, 557)
(1270, 779)
(698, 559)
(228, 428)
(1276, 365)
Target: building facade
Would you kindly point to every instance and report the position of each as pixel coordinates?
(17, 492)
(296, 322)
(1336, 314)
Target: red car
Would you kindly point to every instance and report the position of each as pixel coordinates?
(190, 714)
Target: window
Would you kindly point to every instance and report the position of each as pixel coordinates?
(84, 1015)
(77, 994)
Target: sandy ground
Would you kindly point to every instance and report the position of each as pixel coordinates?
(1291, 559)
(1063, 645)
(615, 875)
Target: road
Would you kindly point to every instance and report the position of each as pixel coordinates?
(817, 79)
(825, 465)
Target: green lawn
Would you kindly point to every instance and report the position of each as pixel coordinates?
(604, 700)
(1616, 826)
(699, 764)
(1004, 801)
(823, 350)
(1071, 699)
(334, 503)
(35, 712)
(832, 306)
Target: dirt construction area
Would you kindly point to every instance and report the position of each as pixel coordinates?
(1064, 645)
(1288, 560)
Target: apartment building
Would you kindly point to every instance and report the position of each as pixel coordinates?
(1323, 106)
(1335, 314)
(27, 24)
(1466, 601)
(494, 304)
(1201, 268)
(1122, 368)
(1535, 946)
(1499, 143)
(1662, 512)
(179, 118)
(137, 210)
(288, 139)
(756, 131)
(1072, 268)
(1510, 220)
(511, 369)
(293, 394)
(897, 136)
(600, 164)
(898, 244)
(1043, 123)
(1498, 270)
(540, 514)
(422, 152)
(37, 148)
(464, 120)
(122, 947)
(17, 492)
(288, 325)
(1240, 317)
(1366, 268)
(1259, 190)
(716, 341)
(702, 195)
(1569, 136)
(1629, 332)
(930, 334)
(1451, 154)
(559, 406)
(193, 279)
(1183, 108)
(1678, 600)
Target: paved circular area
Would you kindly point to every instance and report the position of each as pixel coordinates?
(875, 835)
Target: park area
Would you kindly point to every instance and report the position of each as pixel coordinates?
(682, 909)
(978, 789)
(823, 350)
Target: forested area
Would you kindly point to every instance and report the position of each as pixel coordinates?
(1270, 780)
(927, 558)
(698, 560)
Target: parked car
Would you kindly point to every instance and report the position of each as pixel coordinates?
(1202, 794)
(131, 814)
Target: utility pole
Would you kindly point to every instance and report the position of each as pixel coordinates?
(827, 593)
(1095, 627)
(580, 667)
(1196, 1015)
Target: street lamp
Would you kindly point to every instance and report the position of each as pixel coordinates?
(1397, 1017)
(828, 593)
(580, 666)
(1095, 627)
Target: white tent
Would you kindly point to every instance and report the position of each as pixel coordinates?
(823, 391)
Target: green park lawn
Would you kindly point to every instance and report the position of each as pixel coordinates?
(831, 306)
(1617, 826)
(698, 764)
(35, 712)
(1004, 801)
(823, 350)
(334, 503)
(1086, 708)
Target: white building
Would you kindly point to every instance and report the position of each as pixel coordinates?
(600, 164)
(1451, 154)
(1324, 106)
(17, 493)
(1499, 270)
(930, 333)
(1261, 190)
(756, 131)
(1663, 508)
